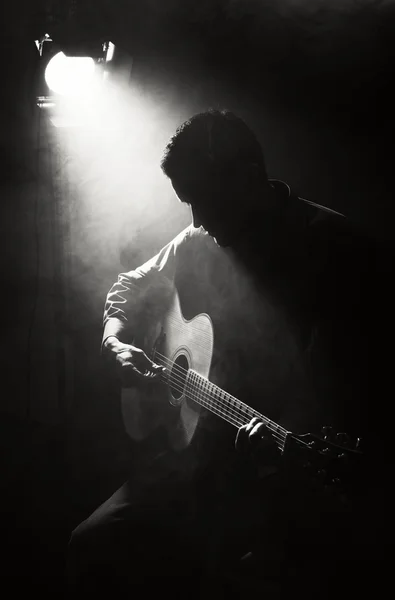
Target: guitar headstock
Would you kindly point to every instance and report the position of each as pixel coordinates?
(333, 457)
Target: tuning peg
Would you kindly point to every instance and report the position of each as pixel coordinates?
(326, 451)
(326, 432)
(342, 438)
(343, 458)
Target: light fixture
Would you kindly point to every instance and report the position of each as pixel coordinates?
(70, 75)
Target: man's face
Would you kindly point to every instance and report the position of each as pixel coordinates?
(220, 212)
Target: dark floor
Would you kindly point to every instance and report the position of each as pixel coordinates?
(41, 502)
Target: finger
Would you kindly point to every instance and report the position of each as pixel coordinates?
(144, 364)
(258, 432)
(155, 368)
(241, 438)
(149, 375)
(244, 432)
(131, 375)
(254, 421)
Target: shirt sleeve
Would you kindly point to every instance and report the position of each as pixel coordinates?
(138, 289)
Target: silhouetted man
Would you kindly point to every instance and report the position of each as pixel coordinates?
(284, 283)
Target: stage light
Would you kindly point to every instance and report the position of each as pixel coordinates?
(70, 76)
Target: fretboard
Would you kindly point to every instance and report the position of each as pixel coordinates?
(227, 407)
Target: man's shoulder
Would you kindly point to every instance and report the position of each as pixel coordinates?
(164, 260)
(191, 238)
(190, 233)
(194, 247)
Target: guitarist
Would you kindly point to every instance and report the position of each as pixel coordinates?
(284, 282)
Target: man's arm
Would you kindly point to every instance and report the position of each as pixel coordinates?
(124, 297)
(140, 291)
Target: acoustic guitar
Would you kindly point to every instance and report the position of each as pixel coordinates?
(185, 348)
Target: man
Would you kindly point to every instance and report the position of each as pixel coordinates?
(280, 280)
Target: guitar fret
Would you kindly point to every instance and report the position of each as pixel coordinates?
(246, 411)
(212, 397)
(207, 395)
(216, 394)
(227, 404)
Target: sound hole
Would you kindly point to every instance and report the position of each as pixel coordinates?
(178, 376)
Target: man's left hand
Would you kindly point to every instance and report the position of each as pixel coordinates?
(256, 442)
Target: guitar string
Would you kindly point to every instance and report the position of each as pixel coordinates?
(280, 440)
(222, 401)
(234, 419)
(230, 418)
(279, 432)
(230, 414)
(236, 409)
(202, 402)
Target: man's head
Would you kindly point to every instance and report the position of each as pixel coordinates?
(216, 165)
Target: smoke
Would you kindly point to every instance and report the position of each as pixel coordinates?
(118, 206)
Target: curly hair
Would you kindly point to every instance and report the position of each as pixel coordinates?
(215, 141)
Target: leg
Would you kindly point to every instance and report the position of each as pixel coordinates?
(136, 541)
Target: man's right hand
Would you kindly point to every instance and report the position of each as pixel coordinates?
(132, 364)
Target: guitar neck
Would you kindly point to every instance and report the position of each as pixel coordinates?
(227, 407)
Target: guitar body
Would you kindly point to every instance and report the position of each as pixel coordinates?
(185, 349)
(183, 345)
